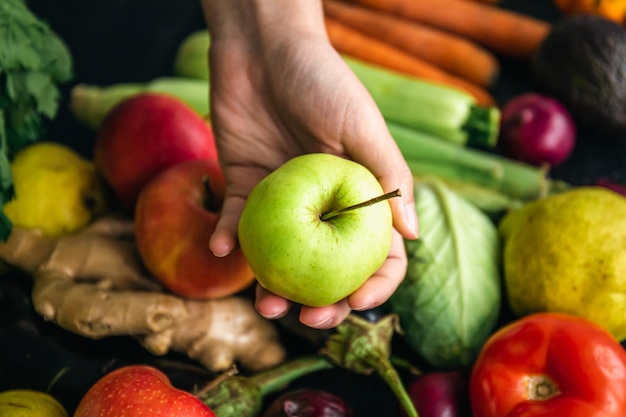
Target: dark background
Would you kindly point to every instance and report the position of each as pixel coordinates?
(126, 41)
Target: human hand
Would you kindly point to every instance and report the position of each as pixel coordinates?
(278, 90)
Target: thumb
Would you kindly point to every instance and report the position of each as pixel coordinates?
(240, 180)
(381, 155)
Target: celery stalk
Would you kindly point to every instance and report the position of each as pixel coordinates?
(426, 155)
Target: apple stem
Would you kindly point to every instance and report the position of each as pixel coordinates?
(386, 196)
(210, 203)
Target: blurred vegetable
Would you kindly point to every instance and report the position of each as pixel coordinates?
(91, 103)
(364, 347)
(581, 63)
(451, 53)
(192, 58)
(504, 31)
(614, 10)
(63, 364)
(565, 253)
(449, 301)
(427, 155)
(446, 113)
(440, 394)
(308, 403)
(490, 201)
(242, 396)
(30, 403)
(33, 62)
(611, 185)
(537, 129)
(92, 283)
(370, 49)
(550, 364)
(57, 190)
(356, 345)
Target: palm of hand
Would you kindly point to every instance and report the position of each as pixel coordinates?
(269, 107)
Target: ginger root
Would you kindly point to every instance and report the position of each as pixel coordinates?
(93, 283)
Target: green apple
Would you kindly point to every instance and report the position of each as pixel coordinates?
(304, 238)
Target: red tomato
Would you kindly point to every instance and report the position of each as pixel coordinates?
(550, 364)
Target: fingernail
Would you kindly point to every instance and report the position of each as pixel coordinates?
(274, 315)
(323, 324)
(410, 214)
(364, 307)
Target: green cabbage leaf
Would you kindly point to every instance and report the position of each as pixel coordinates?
(449, 301)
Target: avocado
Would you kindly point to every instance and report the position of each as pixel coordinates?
(582, 62)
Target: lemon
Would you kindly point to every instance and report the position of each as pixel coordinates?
(567, 253)
(56, 189)
(30, 403)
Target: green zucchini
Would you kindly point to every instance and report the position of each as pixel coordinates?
(445, 112)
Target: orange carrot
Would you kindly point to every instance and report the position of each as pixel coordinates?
(614, 10)
(504, 31)
(353, 43)
(451, 53)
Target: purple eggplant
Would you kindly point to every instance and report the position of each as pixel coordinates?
(308, 403)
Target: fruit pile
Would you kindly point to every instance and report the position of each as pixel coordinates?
(515, 281)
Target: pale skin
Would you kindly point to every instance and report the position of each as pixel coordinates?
(278, 90)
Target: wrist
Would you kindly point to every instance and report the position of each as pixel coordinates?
(261, 20)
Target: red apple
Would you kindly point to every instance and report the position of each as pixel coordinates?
(139, 391)
(175, 216)
(144, 134)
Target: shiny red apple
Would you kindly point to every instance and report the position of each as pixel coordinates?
(175, 216)
(139, 391)
(144, 134)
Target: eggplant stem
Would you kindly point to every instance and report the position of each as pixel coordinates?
(363, 347)
(277, 378)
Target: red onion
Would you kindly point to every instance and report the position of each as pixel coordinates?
(611, 185)
(308, 403)
(537, 129)
(440, 394)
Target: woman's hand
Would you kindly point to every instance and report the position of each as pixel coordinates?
(278, 90)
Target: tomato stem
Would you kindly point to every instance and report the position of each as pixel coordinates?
(541, 388)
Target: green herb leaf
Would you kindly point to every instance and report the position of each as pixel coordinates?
(33, 60)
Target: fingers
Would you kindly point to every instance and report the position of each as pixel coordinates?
(380, 154)
(224, 238)
(376, 290)
(393, 172)
(367, 140)
(403, 208)
(269, 305)
(240, 180)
